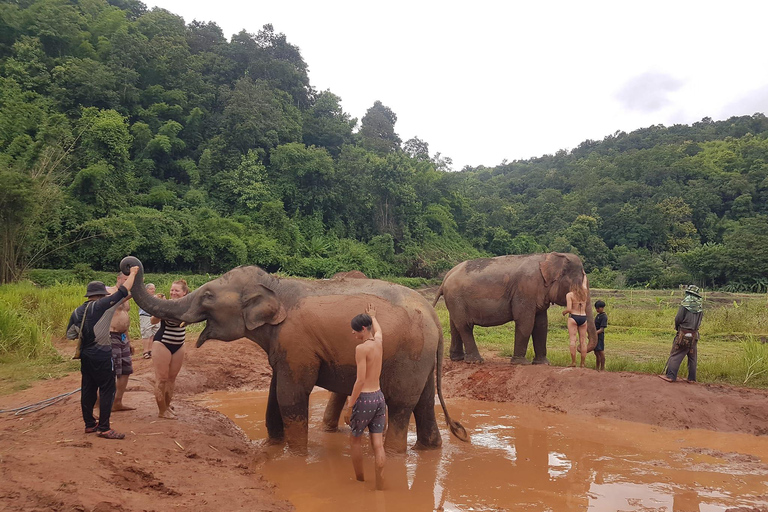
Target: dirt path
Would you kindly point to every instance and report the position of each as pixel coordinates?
(202, 462)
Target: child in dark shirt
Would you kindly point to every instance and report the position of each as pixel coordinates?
(601, 322)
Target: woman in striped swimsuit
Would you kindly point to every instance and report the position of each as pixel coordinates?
(168, 354)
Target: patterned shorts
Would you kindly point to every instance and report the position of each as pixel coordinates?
(369, 411)
(121, 354)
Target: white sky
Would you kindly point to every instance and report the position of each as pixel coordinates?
(484, 81)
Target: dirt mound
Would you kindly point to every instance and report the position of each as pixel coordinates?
(203, 462)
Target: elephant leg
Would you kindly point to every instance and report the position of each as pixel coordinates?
(427, 433)
(293, 399)
(274, 419)
(472, 355)
(523, 329)
(398, 417)
(457, 347)
(333, 412)
(540, 326)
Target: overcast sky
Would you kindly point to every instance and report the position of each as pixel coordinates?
(483, 81)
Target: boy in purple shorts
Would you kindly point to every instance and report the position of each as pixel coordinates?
(366, 407)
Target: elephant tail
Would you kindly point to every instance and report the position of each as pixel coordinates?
(456, 428)
(437, 298)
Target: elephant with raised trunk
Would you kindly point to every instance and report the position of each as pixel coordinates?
(493, 291)
(304, 327)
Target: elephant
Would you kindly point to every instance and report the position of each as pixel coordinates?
(493, 291)
(304, 327)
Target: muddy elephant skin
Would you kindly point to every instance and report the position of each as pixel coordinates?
(304, 327)
(494, 291)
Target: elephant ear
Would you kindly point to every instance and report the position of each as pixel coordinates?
(261, 306)
(553, 267)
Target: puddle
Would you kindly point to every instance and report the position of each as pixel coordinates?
(520, 459)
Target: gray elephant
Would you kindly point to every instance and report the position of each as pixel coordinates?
(304, 327)
(493, 291)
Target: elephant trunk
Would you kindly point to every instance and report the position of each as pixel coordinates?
(176, 310)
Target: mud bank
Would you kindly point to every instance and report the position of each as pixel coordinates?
(202, 460)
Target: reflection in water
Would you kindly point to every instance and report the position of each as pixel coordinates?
(520, 459)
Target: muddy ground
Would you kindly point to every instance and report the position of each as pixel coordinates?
(203, 462)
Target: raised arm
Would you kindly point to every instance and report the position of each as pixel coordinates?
(375, 327)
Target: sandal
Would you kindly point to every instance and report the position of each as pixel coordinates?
(91, 430)
(147, 355)
(111, 434)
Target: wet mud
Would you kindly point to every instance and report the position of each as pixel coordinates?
(520, 458)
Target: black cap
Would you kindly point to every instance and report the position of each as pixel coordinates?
(96, 288)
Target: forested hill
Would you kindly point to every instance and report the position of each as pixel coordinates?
(126, 131)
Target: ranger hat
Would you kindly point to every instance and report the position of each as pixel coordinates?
(693, 290)
(96, 288)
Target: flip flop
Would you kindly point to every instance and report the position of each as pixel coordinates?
(111, 434)
(147, 355)
(665, 378)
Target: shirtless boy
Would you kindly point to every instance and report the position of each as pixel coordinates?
(366, 407)
(121, 345)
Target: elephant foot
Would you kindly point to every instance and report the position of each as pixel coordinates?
(521, 360)
(424, 447)
(474, 359)
(541, 360)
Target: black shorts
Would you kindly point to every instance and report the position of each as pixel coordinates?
(369, 411)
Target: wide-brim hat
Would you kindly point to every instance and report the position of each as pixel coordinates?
(96, 288)
(693, 290)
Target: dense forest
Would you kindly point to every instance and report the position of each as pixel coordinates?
(125, 130)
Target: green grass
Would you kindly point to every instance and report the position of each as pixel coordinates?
(732, 348)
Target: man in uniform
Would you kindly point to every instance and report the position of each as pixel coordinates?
(687, 322)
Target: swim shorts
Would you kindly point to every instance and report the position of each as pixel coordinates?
(369, 411)
(121, 354)
(148, 329)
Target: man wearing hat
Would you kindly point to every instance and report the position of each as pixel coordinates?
(687, 322)
(96, 366)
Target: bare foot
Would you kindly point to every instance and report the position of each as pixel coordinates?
(572, 365)
(166, 415)
(379, 479)
(121, 407)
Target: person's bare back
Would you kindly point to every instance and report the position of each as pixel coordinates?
(367, 408)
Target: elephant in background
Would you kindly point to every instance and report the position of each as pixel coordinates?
(304, 327)
(493, 291)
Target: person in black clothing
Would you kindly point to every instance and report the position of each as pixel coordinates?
(601, 322)
(96, 366)
(687, 322)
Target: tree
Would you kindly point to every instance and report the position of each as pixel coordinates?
(377, 130)
(258, 116)
(327, 125)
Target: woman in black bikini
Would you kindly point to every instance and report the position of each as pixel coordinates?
(576, 308)
(168, 355)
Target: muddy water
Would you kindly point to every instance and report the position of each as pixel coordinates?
(520, 458)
